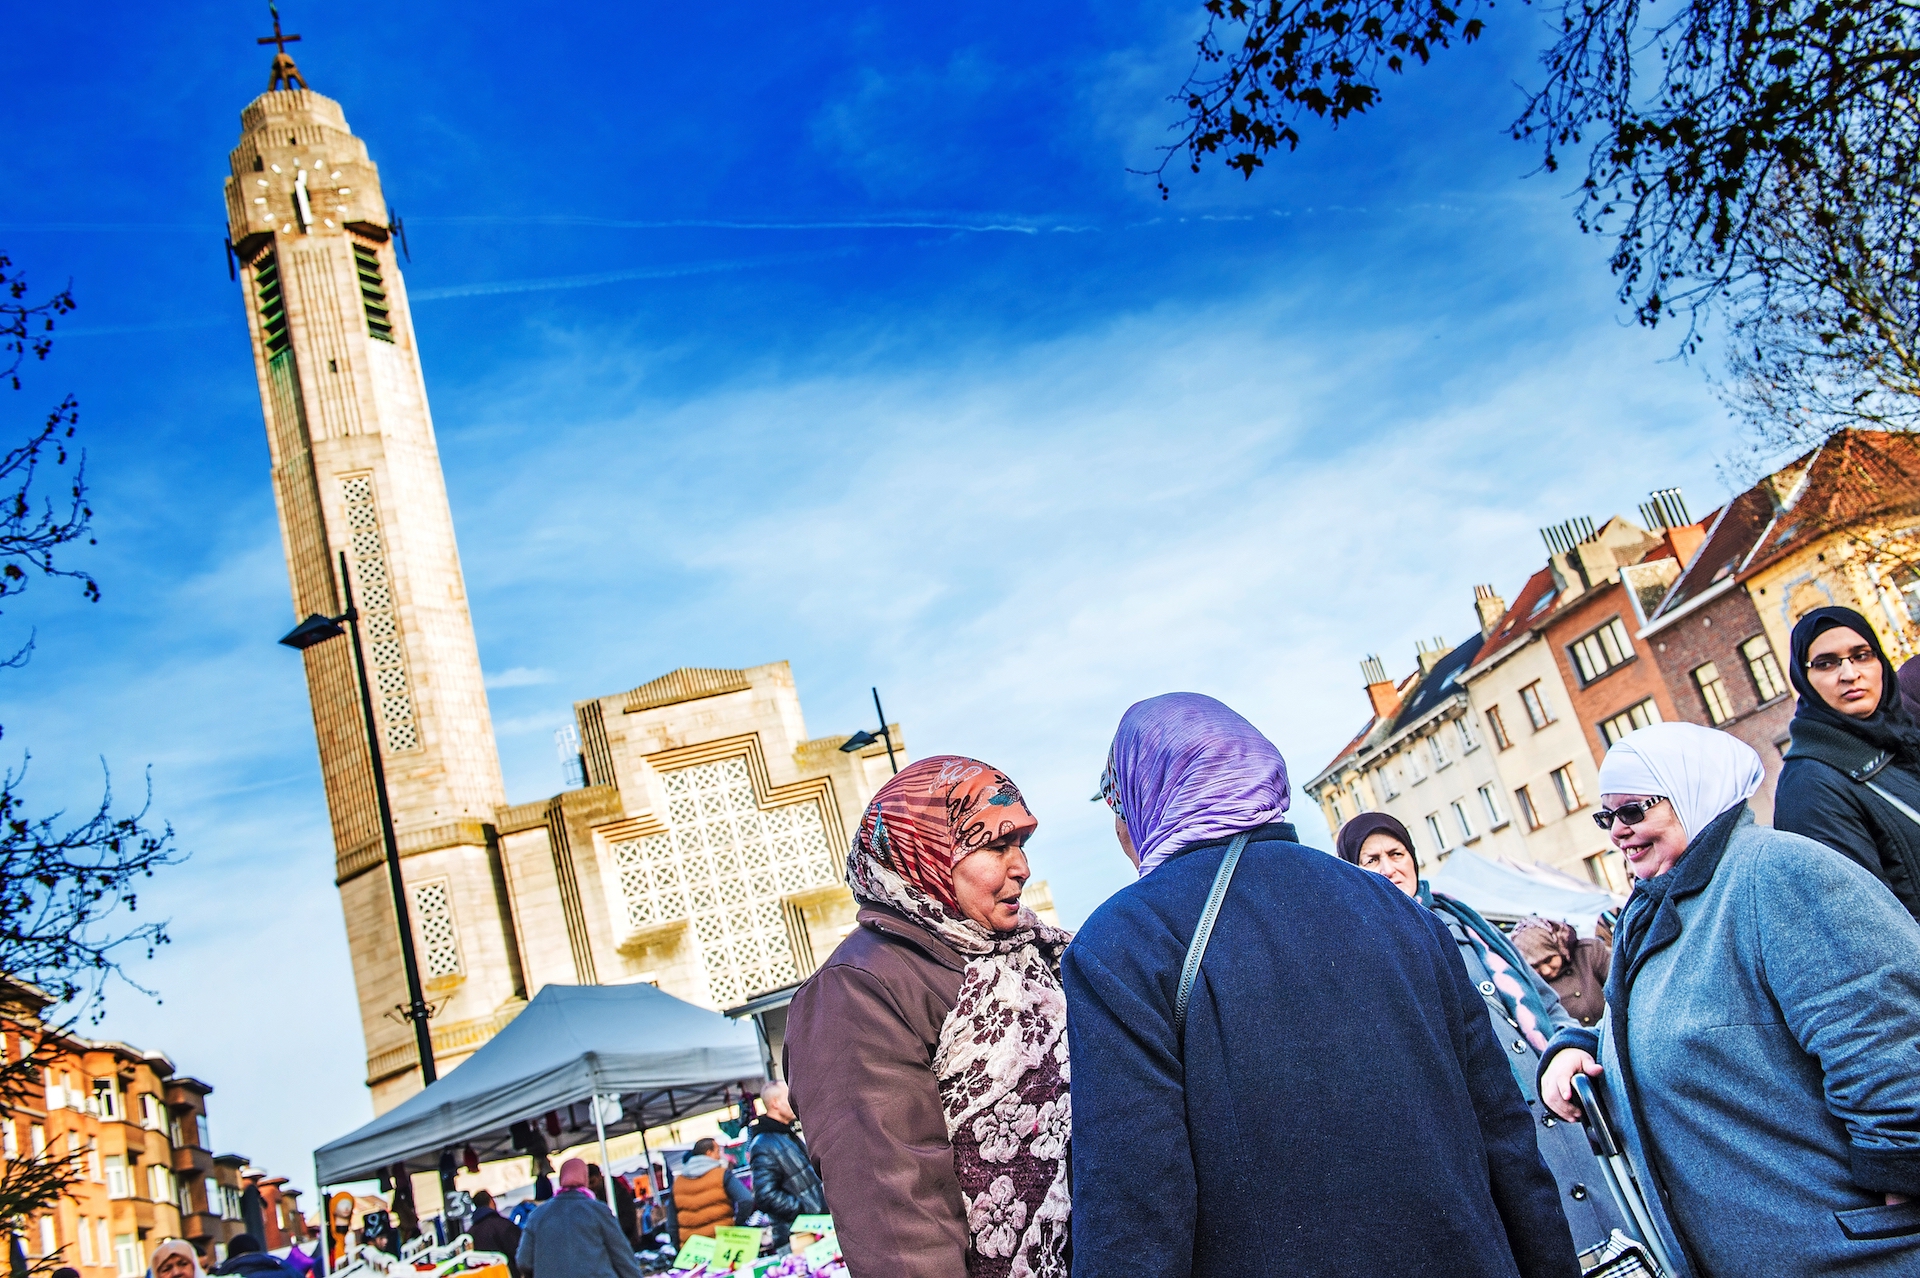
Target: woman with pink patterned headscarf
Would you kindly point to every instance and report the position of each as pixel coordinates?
(928, 1056)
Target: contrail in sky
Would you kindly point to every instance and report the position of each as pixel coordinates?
(615, 277)
(899, 224)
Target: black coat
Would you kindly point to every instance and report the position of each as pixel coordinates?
(784, 1182)
(1340, 1106)
(491, 1231)
(1822, 794)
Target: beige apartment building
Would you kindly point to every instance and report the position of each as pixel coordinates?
(137, 1132)
(1423, 759)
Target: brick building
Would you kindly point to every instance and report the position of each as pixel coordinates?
(137, 1132)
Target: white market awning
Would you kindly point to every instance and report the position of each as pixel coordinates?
(1504, 892)
(664, 1057)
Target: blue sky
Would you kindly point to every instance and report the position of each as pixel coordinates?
(841, 335)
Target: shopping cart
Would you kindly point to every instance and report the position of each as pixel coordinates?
(1620, 1256)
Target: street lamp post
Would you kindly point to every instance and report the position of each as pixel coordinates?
(318, 629)
(863, 738)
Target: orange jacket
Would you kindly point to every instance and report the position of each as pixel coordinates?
(702, 1203)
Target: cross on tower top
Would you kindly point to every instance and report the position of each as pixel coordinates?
(285, 74)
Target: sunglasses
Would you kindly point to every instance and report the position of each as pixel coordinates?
(1632, 813)
(1828, 662)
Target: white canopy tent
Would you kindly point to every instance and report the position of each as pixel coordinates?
(663, 1057)
(1504, 892)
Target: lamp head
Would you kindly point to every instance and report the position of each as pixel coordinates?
(858, 741)
(315, 629)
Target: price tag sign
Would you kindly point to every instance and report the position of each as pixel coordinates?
(697, 1250)
(822, 1252)
(813, 1224)
(735, 1247)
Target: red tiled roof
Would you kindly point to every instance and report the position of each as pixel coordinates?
(1728, 543)
(1855, 475)
(1534, 602)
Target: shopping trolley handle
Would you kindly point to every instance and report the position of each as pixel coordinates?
(1594, 1118)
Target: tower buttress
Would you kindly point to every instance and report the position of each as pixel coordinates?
(355, 469)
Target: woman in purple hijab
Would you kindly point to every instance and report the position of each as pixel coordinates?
(1184, 769)
(1327, 1098)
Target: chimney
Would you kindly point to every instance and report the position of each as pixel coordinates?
(1380, 689)
(1490, 607)
(1686, 542)
(1430, 653)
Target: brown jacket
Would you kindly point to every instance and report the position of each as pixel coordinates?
(700, 1203)
(1582, 982)
(861, 1036)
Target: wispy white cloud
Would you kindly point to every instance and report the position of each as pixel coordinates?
(519, 677)
(597, 278)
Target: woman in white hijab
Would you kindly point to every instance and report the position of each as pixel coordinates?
(1763, 1006)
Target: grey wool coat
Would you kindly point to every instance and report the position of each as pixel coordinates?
(574, 1235)
(1769, 1094)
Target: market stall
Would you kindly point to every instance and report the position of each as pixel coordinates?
(1504, 893)
(651, 1059)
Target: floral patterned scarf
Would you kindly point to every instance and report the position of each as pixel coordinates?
(1001, 1062)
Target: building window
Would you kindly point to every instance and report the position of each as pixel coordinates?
(119, 1183)
(106, 1099)
(433, 915)
(1567, 786)
(100, 1248)
(1434, 832)
(1491, 803)
(93, 1166)
(373, 592)
(126, 1256)
(200, 1129)
(1439, 751)
(49, 1243)
(1467, 832)
(1764, 669)
(373, 292)
(1530, 815)
(229, 1203)
(86, 1241)
(160, 1185)
(1499, 728)
(725, 865)
(1389, 783)
(1714, 693)
(1534, 698)
(1601, 651)
(1627, 720)
(9, 1138)
(1604, 868)
(1468, 742)
(1333, 806)
(273, 306)
(1416, 767)
(39, 1137)
(150, 1111)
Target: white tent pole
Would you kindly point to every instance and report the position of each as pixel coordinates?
(600, 1130)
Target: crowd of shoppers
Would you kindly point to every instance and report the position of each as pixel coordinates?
(1289, 1062)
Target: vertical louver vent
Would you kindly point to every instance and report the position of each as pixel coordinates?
(273, 306)
(373, 292)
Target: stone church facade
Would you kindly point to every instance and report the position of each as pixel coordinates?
(705, 852)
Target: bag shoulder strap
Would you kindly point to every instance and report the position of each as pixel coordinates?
(1197, 948)
(1880, 790)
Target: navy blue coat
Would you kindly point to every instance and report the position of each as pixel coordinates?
(1341, 1108)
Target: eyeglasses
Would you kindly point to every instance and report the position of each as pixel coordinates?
(1632, 813)
(1828, 662)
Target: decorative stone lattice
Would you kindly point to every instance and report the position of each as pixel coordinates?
(433, 914)
(373, 592)
(724, 866)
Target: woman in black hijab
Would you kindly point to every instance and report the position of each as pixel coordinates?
(1852, 775)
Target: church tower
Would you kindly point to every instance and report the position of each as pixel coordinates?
(356, 470)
